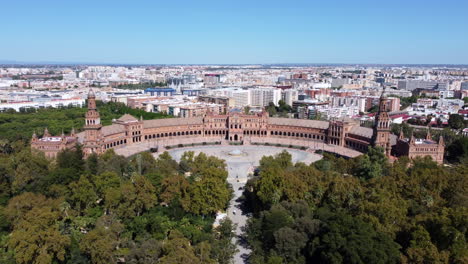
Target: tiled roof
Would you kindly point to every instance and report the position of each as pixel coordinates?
(367, 132)
(112, 129)
(298, 122)
(127, 118)
(361, 131)
(172, 122)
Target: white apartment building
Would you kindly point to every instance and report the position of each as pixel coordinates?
(339, 112)
(241, 98)
(264, 96)
(289, 96)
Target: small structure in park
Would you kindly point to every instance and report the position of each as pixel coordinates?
(417, 147)
(52, 145)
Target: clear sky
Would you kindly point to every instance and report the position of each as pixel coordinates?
(235, 31)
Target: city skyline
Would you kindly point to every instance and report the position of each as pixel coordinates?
(264, 32)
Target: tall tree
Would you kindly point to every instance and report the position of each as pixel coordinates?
(456, 121)
(101, 242)
(36, 237)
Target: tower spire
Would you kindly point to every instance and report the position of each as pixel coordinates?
(91, 100)
(428, 135)
(92, 128)
(441, 141)
(381, 128)
(412, 139)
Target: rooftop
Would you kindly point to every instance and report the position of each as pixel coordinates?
(127, 118)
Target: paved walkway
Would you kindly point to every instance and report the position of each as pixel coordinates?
(239, 168)
(310, 144)
(160, 143)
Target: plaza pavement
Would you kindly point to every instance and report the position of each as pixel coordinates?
(311, 145)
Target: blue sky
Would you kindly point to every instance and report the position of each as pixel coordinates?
(236, 31)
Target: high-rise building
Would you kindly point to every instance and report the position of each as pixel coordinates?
(241, 98)
(411, 85)
(464, 86)
(213, 79)
(393, 104)
(289, 96)
(265, 96)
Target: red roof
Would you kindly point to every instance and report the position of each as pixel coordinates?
(400, 115)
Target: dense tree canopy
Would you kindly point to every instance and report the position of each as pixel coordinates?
(109, 209)
(361, 210)
(456, 121)
(16, 126)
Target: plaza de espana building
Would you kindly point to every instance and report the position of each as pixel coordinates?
(345, 135)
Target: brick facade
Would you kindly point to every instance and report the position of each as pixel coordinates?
(238, 127)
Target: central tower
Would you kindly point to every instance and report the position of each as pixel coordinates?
(381, 129)
(92, 127)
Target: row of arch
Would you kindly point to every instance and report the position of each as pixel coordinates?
(300, 135)
(215, 132)
(245, 132)
(173, 134)
(115, 143)
(356, 145)
(255, 132)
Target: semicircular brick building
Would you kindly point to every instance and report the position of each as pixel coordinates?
(129, 135)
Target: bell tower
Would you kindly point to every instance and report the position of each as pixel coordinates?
(381, 129)
(92, 127)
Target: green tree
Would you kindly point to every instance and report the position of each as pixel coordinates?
(144, 251)
(206, 196)
(290, 243)
(71, 158)
(83, 194)
(422, 250)
(132, 198)
(222, 247)
(92, 163)
(109, 161)
(458, 150)
(345, 239)
(166, 165)
(145, 163)
(36, 237)
(29, 170)
(247, 110)
(371, 164)
(177, 249)
(105, 181)
(271, 109)
(456, 121)
(101, 243)
(174, 188)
